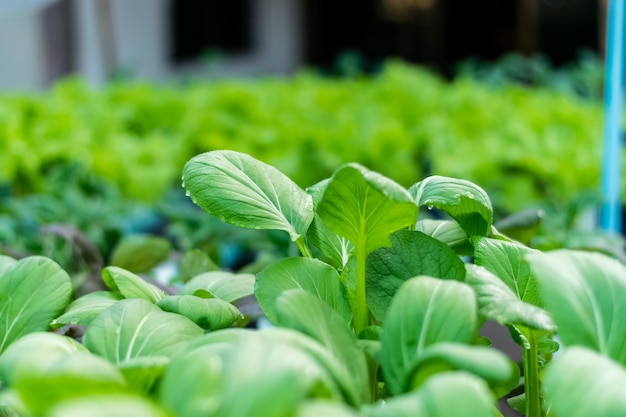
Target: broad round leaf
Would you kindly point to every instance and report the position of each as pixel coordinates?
(130, 285)
(448, 232)
(43, 378)
(84, 309)
(239, 373)
(584, 292)
(489, 364)
(135, 328)
(411, 254)
(208, 313)
(226, 286)
(365, 207)
(33, 291)
(424, 311)
(299, 310)
(245, 192)
(583, 383)
(507, 261)
(35, 351)
(450, 394)
(312, 275)
(463, 200)
(497, 302)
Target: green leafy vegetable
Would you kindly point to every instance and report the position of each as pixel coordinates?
(33, 291)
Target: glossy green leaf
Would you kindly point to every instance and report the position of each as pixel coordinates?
(227, 286)
(306, 313)
(365, 207)
(312, 275)
(411, 254)
(210, 375)
(130, 285)
(43, 369)
(140, 253)
(583, 383)
(84, 309)
(208, 313)
(108, 405)
(450, 394)
(35, 351)
(142, 373)
(334, 249)
(448, 232)
(584, 293)
(245, 192)
(507, 261)
(33, 291)
(463, 200)
(195, 262)
(497, 302)
(424, 311)
(489, 364)
(134, 328)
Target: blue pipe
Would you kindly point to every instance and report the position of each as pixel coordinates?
(610, 214)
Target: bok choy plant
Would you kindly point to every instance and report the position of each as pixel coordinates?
(378, 316)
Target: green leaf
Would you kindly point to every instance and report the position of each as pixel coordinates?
(497, 302)
(142, 373)
(135, 328)
(44, 369)
(583, 383)
(365, 207)
(312, 275)
(209, 376)
(108, 405)
(335, 250)
(224, 285)
(245, 192)
(450, 394)
(448, 232)
(33, 291)
(489, 364)
(518, 403)
(35, 351)
(140, 253)
(411, 254)
(463, 200)
(84, 309)
(130, 285)
(306, 313)
(507, 261)
(584, 293)
(195, 262)
(324, 408)
(424, 311)
(210, 314)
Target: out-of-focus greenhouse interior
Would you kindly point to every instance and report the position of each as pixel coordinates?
(103, 103)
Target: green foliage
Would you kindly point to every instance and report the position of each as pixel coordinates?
(526, 139)
(388, 328)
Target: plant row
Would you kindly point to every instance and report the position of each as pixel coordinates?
(379, 315)
(519, 143)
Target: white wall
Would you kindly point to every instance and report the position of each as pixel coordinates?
(21, 51)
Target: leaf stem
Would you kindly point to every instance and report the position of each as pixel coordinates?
(304, 248)
(531, 376)
(361, 317)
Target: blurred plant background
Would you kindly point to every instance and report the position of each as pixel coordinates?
(103, 101)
